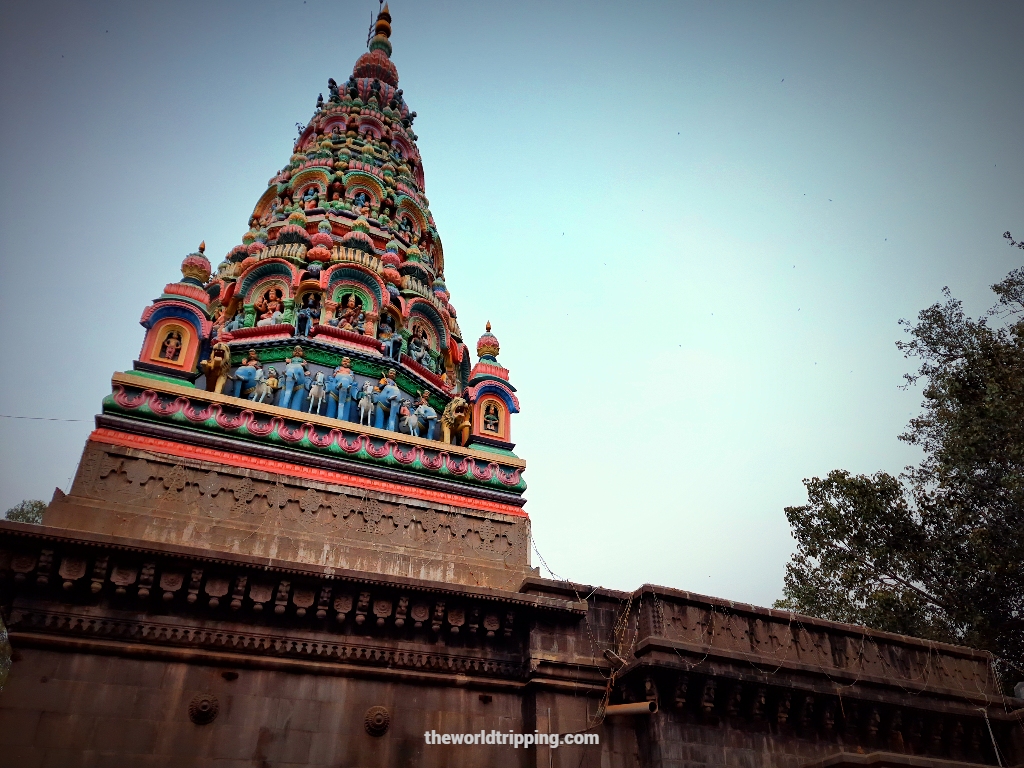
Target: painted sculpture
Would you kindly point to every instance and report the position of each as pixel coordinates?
(266, 385)
(387, 399)
(217, 368)
(308, 315)
(294, 389)
(455, 422)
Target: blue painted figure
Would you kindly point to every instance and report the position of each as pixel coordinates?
(245, 376)
(342, 391)
(294, 381)
(387, 400)
(427, 416)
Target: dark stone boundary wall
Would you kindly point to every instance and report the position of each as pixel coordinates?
(107, 668)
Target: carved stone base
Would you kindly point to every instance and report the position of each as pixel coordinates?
(147, 496)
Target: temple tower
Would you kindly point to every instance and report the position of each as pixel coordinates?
(312, 398)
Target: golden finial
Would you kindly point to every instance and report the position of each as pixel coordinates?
(202, 247)
(488, 326)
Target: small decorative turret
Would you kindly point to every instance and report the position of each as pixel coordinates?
(492, 396)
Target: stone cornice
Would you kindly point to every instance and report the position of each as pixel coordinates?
(11, 531)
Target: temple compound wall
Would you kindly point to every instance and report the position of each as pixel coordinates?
(131, 652)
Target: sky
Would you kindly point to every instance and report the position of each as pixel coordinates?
(694, 228)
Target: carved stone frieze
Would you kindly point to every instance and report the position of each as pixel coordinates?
(258, 500)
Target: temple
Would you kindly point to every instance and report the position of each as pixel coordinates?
(297, 536)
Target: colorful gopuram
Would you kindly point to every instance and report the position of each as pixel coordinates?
(297, 537)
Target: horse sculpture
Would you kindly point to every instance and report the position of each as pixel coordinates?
(317, 390)
(366, 403)
(266, 385)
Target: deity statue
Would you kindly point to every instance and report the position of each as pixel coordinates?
(419, 348)
(272, 301)
(361, 202)
(332, 86)
(492, 421)
(349, 317)
(171, 347)
(308, 315)
(310, 198)
(427, 256)
(405, 227)
(391, 340)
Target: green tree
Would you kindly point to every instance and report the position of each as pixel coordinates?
(937, 552)
(28, 511)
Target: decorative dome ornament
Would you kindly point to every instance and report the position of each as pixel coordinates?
(195, 268)
(487, 347)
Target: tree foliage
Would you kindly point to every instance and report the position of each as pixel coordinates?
(28, 511)
(937, 552)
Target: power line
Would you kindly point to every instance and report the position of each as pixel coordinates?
(39, 418)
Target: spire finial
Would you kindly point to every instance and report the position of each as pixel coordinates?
(202, 247)
(488, 326)
(381, 32)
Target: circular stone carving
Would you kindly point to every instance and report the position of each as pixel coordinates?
(203, 708)
(377, 721)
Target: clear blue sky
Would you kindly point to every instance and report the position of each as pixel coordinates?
(694, 227)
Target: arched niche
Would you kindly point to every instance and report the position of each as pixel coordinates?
(356, 181)
(175, 332)
(406, 207)
(490, 418)
(272, 270)
(313, 177)
(265, 206)
(370, 124)
(493, 403)
(353, 275)
(418, 307)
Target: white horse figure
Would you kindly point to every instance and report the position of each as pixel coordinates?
(265, 386)
(274, 319)
(366, 403)
(317, 391)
